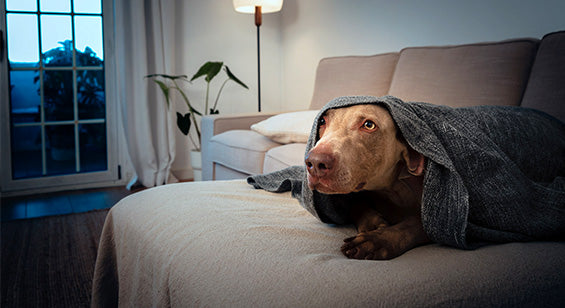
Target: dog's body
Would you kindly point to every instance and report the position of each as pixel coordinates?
(493, 174)
(360, 150)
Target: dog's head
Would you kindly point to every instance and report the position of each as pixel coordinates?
(358, 149)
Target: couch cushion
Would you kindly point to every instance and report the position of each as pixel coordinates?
(465, 75)
(241, 150)
(284, 156)
(287, 127)
(546, 87)
(352, 75)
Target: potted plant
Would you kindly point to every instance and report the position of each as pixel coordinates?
(168, 83)
(58, 95)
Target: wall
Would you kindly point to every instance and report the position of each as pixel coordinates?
(315, 29)
(212, 30)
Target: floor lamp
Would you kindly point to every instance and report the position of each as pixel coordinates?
(258, 7)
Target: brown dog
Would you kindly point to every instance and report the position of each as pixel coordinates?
(360, 150)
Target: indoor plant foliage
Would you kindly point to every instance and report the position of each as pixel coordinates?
(209, 70)
(59, 93)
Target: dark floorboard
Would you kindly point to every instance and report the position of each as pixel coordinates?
(59, 203)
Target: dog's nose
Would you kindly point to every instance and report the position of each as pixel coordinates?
(319, 164)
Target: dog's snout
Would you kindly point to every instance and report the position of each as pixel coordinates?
(320, 164)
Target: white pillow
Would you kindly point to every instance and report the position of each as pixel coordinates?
(287, 127)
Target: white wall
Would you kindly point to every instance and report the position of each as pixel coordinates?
(295, 39)
(212, 30)
(313, 29)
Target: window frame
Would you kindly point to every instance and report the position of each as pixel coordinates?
(112, 175)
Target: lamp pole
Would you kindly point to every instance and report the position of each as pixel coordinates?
(258, 21)
(259, 7)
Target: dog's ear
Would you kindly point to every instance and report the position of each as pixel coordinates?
(414, 163)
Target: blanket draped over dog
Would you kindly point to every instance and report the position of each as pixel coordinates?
(493, 173)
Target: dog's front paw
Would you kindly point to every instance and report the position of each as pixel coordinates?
(371, 223)
(381, 244)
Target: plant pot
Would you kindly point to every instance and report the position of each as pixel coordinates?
(196, 162)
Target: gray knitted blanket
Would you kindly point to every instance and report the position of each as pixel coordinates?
(493, 174)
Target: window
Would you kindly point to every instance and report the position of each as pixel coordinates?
(57, 76)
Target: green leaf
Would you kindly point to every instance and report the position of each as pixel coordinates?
(165, 90)
(172, 77)
(232, 77)
(183, 122)
(195, 111)
(210, 69)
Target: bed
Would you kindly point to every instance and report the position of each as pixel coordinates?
(226, 244)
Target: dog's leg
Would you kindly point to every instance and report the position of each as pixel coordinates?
(364, 215)
(367, 219)
(386, 242)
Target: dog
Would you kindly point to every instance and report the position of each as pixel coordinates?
(360, 150)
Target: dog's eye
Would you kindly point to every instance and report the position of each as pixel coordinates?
(322, 121)
(369, 125)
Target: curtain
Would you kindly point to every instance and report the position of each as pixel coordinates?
(144, 31)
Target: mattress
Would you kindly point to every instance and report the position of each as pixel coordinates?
(225, 244)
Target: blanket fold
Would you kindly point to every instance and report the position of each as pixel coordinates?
(493, 174)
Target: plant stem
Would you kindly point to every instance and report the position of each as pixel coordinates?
(196, 147)
(207, 93)
(220, 92)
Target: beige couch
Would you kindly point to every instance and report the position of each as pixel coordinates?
(519, 72)
(226, 244)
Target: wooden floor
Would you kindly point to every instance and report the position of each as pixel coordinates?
(60, 203)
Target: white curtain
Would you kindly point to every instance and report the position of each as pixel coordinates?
(144, 32)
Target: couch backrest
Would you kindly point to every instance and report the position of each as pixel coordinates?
(546, 87)
(352, 75)
(465, 75)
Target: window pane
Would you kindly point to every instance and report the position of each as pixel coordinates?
(88, 6)
(88, 32)
(24, 96)
(90, 96)
(60, 149)
(56, 40)
(23, 43)
(93, 155)
(58, 95)
(21, 5)
(26, 152)
(63, 6)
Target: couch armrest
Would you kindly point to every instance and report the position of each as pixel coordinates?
(217, 124)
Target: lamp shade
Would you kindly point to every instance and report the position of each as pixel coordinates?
(248, 6)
